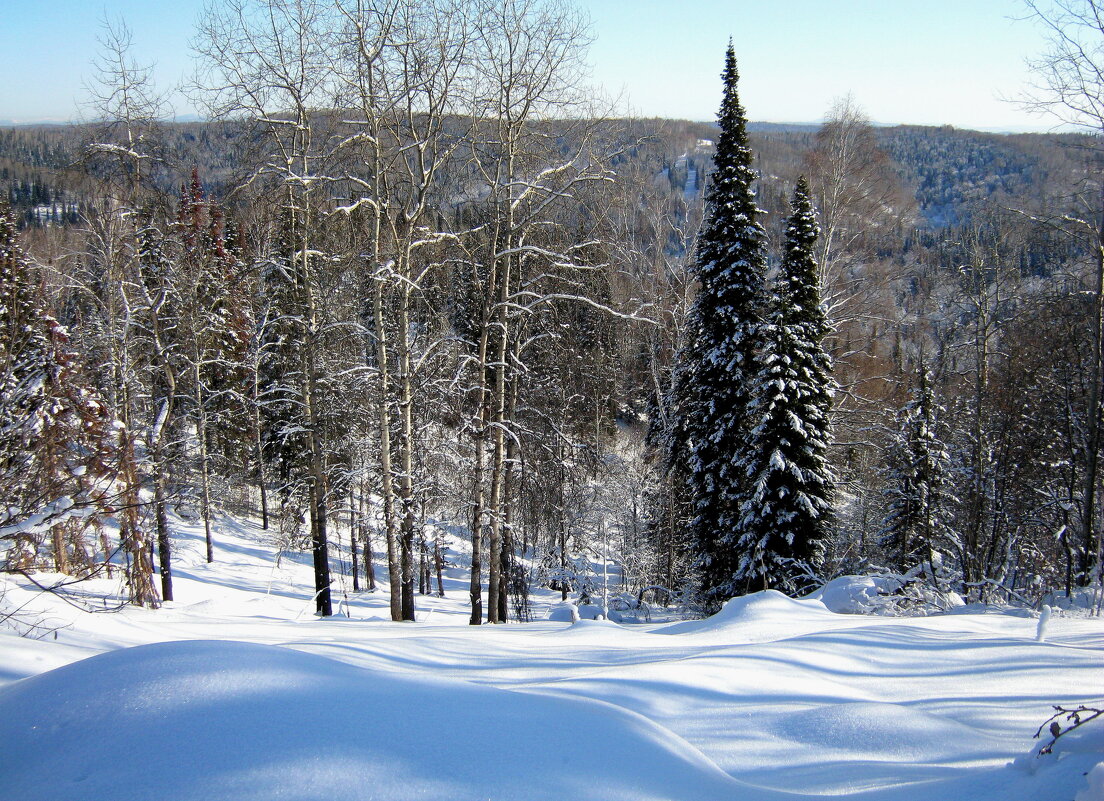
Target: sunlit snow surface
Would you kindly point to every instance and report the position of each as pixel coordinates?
(237, 691)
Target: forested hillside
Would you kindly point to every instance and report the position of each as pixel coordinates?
(429, 285)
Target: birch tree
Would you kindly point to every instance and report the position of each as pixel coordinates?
(268, 61)
(529, 57)
(405, 75)
(126, 107)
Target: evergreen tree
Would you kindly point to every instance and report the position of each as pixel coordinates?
(24, 394)
(918, 489)
(227, 323)
(219, 317)
(57, 454)
(786, 513)
(216, 342)
(280, 365)
(710, 404)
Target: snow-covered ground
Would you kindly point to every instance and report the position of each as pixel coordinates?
(236, 691)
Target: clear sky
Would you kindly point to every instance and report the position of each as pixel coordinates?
(904, 61)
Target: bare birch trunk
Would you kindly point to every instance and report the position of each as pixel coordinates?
(387, 487)
(204, 463)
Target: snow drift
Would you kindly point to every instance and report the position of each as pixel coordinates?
(773, 698)
(212, 720)
(760, 617)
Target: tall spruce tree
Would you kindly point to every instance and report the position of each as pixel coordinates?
(710, 403)
(787, 509)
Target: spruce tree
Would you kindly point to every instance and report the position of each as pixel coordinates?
(709, 407)
(787, 509)
(57, 454)
(280, 365)
(918, 489)
(25, 372)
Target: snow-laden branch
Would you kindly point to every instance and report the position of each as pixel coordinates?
(634, 316)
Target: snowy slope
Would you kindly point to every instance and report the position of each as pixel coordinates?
(206, 719)
(772, 698)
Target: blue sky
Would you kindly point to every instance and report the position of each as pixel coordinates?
(904, 61)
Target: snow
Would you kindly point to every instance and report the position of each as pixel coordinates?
(1095, 789)
(855, 595)
(1044, 621)
(236, 690)
(209, 719)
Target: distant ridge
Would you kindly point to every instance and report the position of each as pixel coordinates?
(9, 123)
(760, 127)
(43, 121)
(783, 127)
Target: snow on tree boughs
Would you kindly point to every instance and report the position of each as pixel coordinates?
(56, 460)
(918, 488)
(787, 506)
(710, 403)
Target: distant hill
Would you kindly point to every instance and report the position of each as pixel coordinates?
(949, 170)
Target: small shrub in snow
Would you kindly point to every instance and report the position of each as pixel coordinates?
(564, 613)
(884, 594)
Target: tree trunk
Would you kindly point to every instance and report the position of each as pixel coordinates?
(164, 554)
(318, 511)
(309, 365)
(408, 530)
(204, 467)
(479, 437)
(140, 570)
(439, 566)
(353, 531)
(387, 487)
(494, 545)
(258, 448)
(423, 568)
(509, 468)
(498, 458)
(61, 557)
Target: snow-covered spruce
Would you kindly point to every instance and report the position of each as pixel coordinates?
(918, 491)
(711, 402)
(55, 441)
(786, 510)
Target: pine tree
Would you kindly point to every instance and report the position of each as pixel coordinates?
(786, 513)
(918, 489)
(709, 404)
